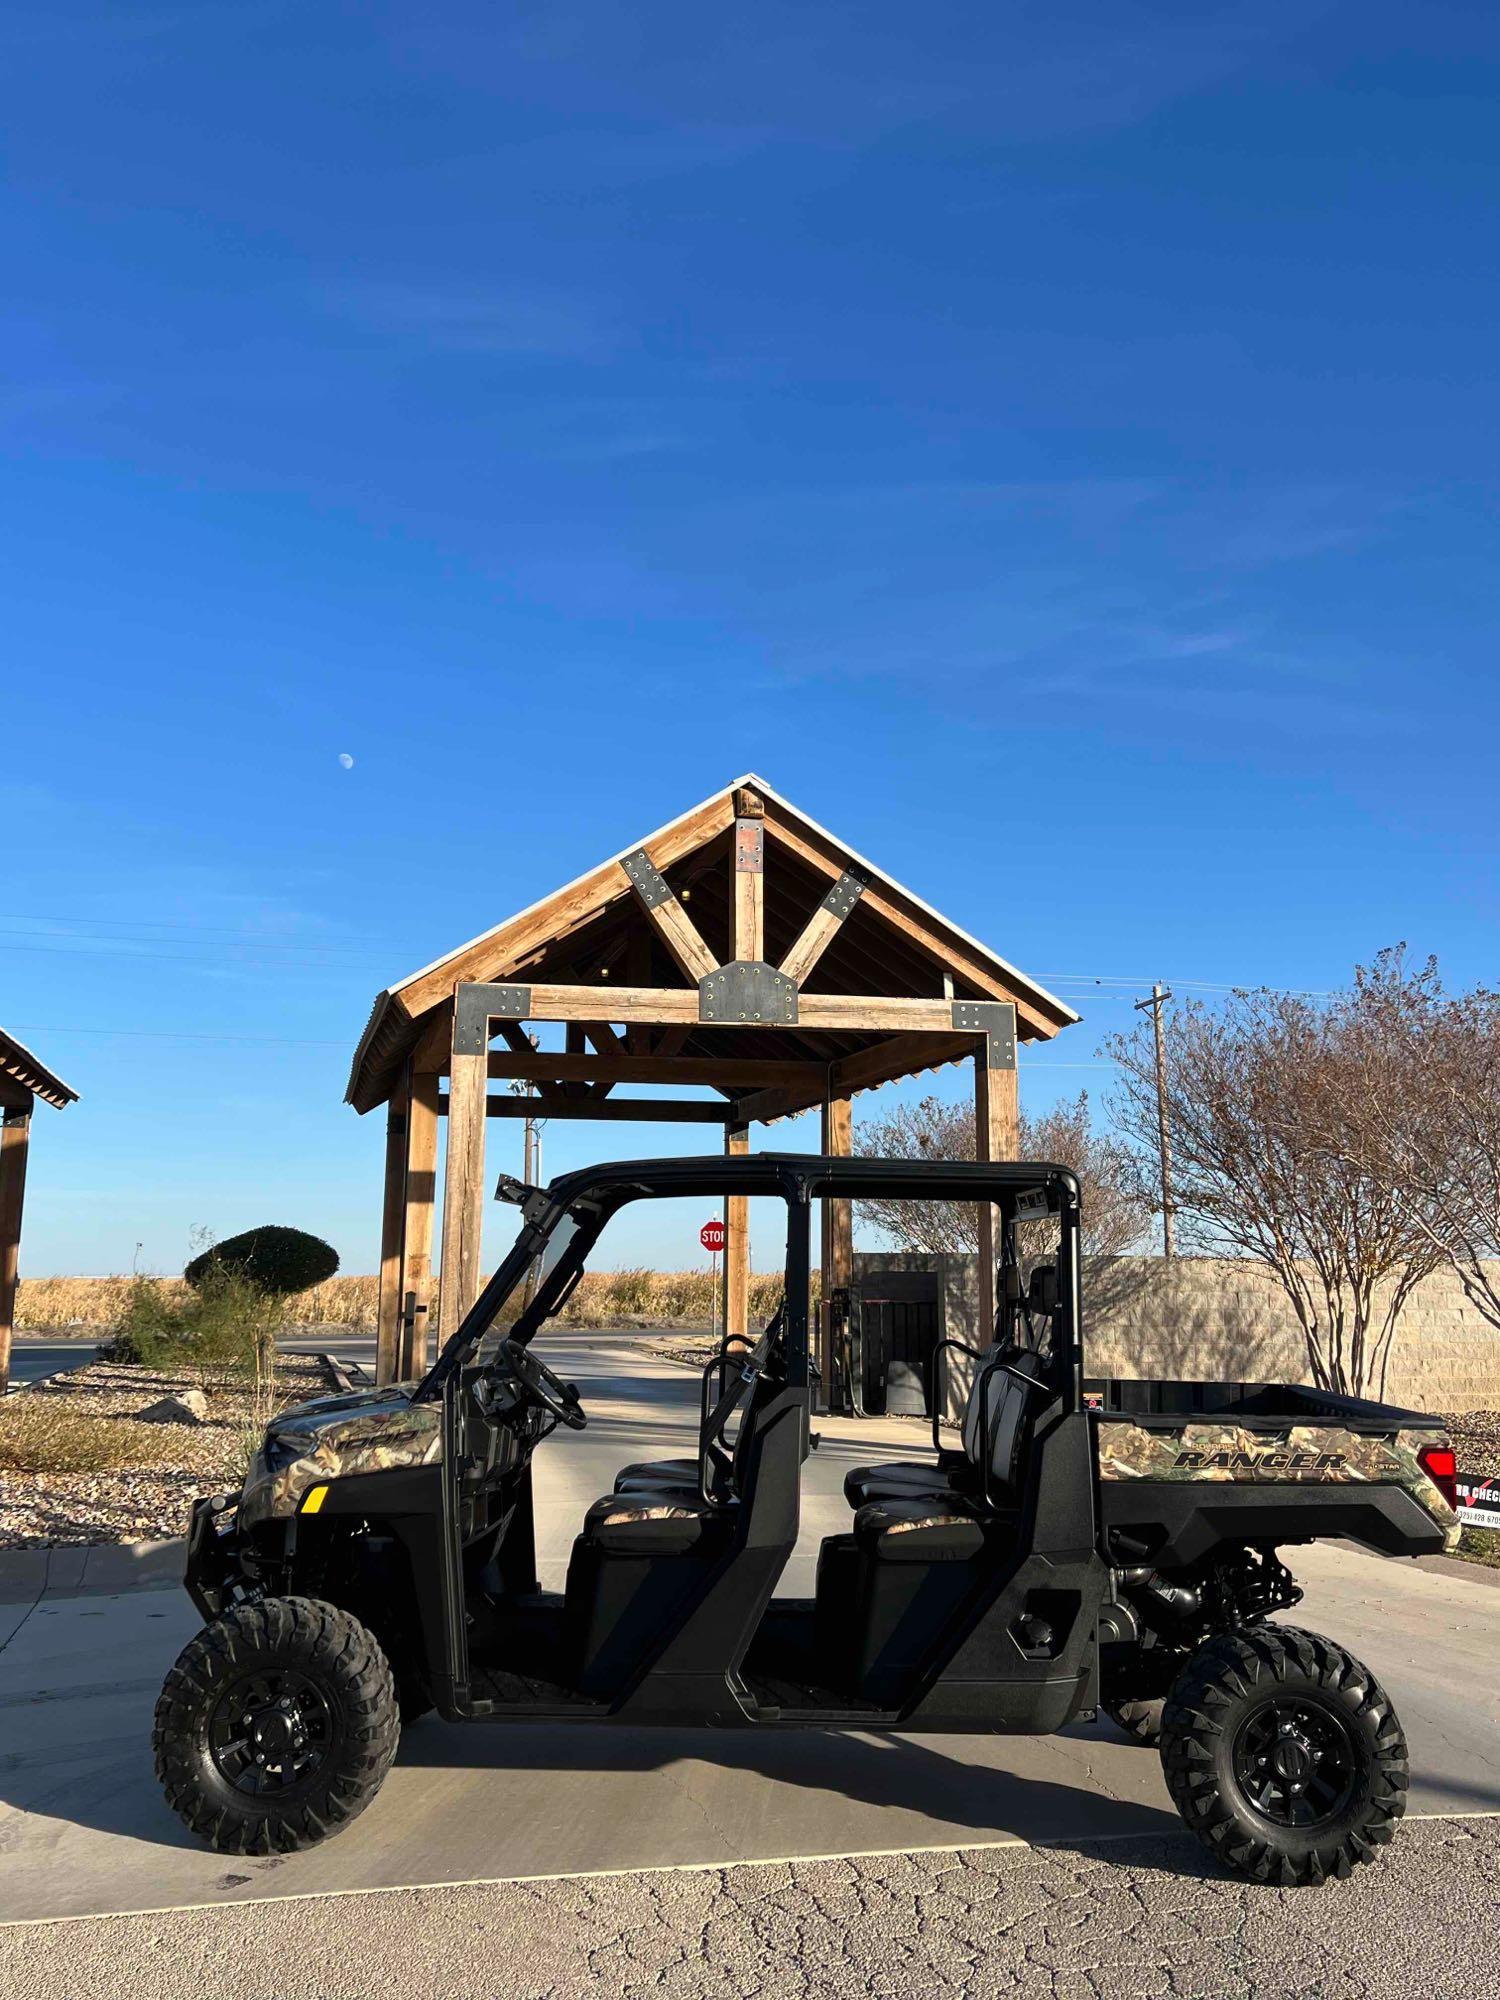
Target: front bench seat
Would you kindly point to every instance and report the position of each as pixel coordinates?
(653, 1523)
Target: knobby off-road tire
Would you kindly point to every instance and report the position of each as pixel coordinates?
(276, 1726)
(1284, 1755)
(1140, 1719)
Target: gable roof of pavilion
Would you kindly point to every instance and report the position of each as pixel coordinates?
(576, 931)
(31, 1073)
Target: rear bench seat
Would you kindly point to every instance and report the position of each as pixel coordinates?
(952, 1474)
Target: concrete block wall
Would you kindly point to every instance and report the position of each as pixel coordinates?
(1211, 1318)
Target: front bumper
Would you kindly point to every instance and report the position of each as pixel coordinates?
(214, 1575)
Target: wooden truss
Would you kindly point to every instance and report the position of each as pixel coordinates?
(769, 1033)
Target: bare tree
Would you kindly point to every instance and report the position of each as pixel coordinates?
(1428, 1121)
(1115, 1213)
(1264, 1097)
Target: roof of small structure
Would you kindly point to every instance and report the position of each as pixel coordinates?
(591, 930)
(22, 1067)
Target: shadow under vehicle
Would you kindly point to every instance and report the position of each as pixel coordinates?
(1081, 1544)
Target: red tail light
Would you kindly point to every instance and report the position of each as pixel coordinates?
(1441, 1467)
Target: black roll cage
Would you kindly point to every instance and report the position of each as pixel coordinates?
(799, 1179)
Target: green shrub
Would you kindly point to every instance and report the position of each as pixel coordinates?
(228, 1326)
(275, 1260)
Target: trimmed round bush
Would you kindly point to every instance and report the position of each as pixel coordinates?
(275, 1260)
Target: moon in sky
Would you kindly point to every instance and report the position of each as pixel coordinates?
(346, 760)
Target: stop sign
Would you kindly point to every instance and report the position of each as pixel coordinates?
(711, 1236)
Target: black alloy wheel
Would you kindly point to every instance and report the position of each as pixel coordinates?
(276, 1726)
(1284, 1755)
(1295, 1762)
(270, 1731)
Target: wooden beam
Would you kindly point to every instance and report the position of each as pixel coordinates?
(392, 1231)
(749, 887)
(609, 1111)
(674, 926)
(416, 1253)
(463, 1182)
(996, 1137)
(737, 1241)
(857, 1013)
(945, 951)
(544, 1066)
(884, 1062)
(823, 926)
(15, 1145)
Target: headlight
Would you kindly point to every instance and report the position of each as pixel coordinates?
(224, 1512)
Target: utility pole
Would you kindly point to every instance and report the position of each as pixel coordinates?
(1159, 994)
(531, 1165)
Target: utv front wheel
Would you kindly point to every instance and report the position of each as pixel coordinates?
(276, 1726)
(1283, 1754)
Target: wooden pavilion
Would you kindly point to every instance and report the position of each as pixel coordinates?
(741, 948)
(23, 1079)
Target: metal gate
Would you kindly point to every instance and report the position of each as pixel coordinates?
(897, 1322)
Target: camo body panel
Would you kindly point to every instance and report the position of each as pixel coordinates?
(336, 1437)
(1304, 1454)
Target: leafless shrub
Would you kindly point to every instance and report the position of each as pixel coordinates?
(1115, 1211)
(1266, 1095)
(1426, 1122)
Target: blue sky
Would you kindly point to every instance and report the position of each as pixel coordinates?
(1055, 445)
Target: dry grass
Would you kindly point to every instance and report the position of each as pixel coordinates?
(603, 1298)
(42, 1434)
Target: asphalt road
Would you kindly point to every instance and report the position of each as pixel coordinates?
(1130, 1920)
(83, 1829)
(33, 1360)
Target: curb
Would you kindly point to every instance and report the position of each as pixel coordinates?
(90, 1569)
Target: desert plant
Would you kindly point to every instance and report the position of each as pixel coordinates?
(46, 1434)
(276, 1260)
(227, 1328)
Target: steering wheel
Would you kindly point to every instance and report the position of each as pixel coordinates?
(558, 1398)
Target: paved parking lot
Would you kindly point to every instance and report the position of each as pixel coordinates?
(83, 1830)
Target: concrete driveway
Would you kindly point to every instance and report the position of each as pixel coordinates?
(83, 1829)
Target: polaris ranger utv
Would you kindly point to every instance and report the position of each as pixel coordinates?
(1081, 1545)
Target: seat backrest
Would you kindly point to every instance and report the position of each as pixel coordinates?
(1010, 1408)
(973, 1443)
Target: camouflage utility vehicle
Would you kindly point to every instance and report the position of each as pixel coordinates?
(1079, 1544)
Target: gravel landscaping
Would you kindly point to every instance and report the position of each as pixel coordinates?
(142, 1478)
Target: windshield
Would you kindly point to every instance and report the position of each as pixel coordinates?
(544, 1280)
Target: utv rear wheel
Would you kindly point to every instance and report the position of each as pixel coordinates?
(276, 1726)
(1140, 1719)
(1283, 1754)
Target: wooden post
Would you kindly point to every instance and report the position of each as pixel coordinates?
(749, 877)
(737, 1243)
(997, 1136)
(416, 1253)
(838, 1232)
(15, 1140)
(463, 1179)
(392, 1229)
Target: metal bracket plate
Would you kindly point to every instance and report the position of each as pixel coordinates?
(749, 846)
(477, 1004)
(748, 989)
(844, 894)
(646, 878)
(996, 1021)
